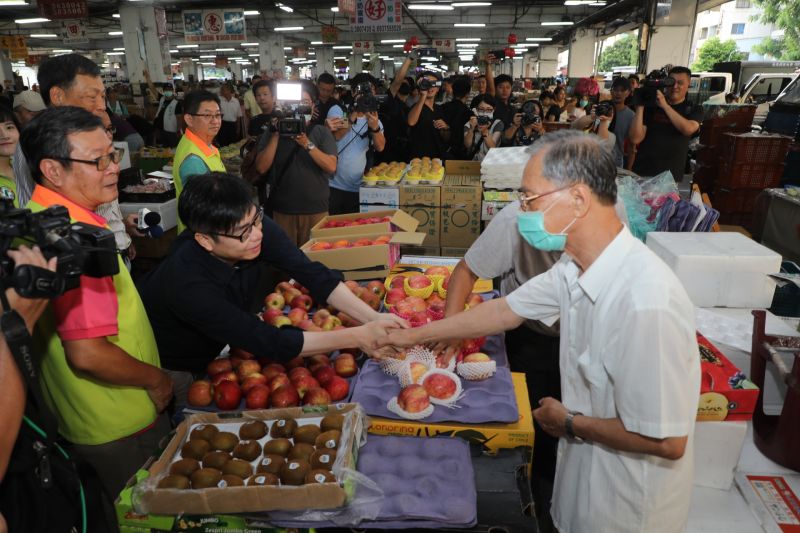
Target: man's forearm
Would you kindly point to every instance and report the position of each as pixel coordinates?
(326, 162)
(488, 318)
(416, 111)
(266, 158)
(682, 124)
(343, 299)
(379, 141)
(612, 433)
(637, 131)
(462, 280)
(110, 364)
(12, 398)
(400, 76)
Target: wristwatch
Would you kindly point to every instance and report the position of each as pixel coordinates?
(568, 429)
(376, 130)
(310, 146)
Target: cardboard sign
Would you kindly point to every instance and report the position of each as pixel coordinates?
(373, 16)
(63, 9)
(213, 25)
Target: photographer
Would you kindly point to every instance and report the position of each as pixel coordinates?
(598, 122)
(457, 114)
(663, 125)
(326, 86)
(429, 134)
(482, 131)
(481, 86)
(503, 109)
(264, 93)
(355, 132)
(301, 165)
(527, 126)
(99, 355)
(394, 113)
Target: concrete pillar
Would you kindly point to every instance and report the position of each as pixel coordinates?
(139, 34)
(671, 36)
(356, 64)
(582, 50)
(271, 58)
(548, 62)
(189, 68)
(389, 69)
(6, 71)
(324, 59)
(375, 65)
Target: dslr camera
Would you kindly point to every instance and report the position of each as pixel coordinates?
(424, 84)
(364, 101)
(657, 80)
(291, 117)
(81, 249)
(529, 116)
(483, 120)
(604, 109)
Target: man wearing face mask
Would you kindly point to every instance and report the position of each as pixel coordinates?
(630, 371)
(429, 134)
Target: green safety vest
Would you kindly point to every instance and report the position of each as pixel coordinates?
(191, 144)
(8, 188)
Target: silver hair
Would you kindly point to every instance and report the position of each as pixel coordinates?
(572, 157)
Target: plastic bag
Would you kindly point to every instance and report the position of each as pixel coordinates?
(656, 190)
(629, 194)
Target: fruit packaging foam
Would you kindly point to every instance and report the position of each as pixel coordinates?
(429, 483)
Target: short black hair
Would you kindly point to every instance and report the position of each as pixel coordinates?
(60, 71)
(681, 70)
(559, 89)
(634, 77)
(45, 137)
(619, 81)
(326, 77)
(363, 77)
(7, 115)
(429, 73)
(546, 94)
(487, 98)
(503, 78)
(193, 100)
(214, 203)
(255, 76)
(269, 84)
(461, 86)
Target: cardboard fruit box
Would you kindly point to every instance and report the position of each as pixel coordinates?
(362, 262)
(725, 392)
(398, 220)
(149, 499)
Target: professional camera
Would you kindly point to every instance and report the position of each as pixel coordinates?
(529, 115)
(483, 120)
(657, 80)
(81, 249)
(364, 101)
(604, 109)
(292, 116)
(424, 84)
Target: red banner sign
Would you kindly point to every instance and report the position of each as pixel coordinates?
(64, 9)
(348, 7)
(330, 34)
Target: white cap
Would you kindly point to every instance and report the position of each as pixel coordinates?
(30, 100)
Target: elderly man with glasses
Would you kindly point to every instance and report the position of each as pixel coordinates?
(195, 154)
(100, 369)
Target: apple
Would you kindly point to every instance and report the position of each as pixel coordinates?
(320, 245)
(308, 325)
(411, 304)
(284, 286)
(377, 287)
(348, 321)
(315, 362)
(439, 386)
(474, 299)
(269, 315)
(297, 315)
(324, 374)
(240, 352)
(272, 370)
(285, 396)
(201, 393)
(330, 323)
(274, 300)
(477, 357)
(352, 285)
(437, 271)
(279, 381)
(434, 299)
(257, 397)
(248, 367)
(345, 365)
(281, 321)
(252, 380)
(362, 242)
(395, 296)
(397, 282)
(227, 395)
(302, 301)
(337, 387)
(419, 281)
(300, 288)
(417, 371)
(297, 372)
(216, 379)
(216, 366)
(320, 316)
(472, 345)
(419, 318)
(341, 244)
(296, 362)
(370, 298)
(235, 361)
(446, 282)
(290, 293)
(413, 399)
(437, 307)
(304, 383)
(316, 396)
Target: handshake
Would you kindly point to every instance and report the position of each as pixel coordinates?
(385, 338)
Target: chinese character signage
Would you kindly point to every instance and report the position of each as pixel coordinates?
(444, 45)
(63, 9)
(363, 47)
(15, 44)
(347, 7)
(330, 34)
(377, 16)
(73, 32)
(213, 25)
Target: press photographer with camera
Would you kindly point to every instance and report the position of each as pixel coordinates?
(300, 158)
(482, 131)
(526, 127)
(264, 94)
(355, 131)
(664, 123)
(98, 352)
(598, 122)
(429, 134)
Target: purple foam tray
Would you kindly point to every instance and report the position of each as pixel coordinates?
(490, 400)
(428, 483)
(495, 347)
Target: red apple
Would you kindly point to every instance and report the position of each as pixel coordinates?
(248, 367)
(345, 365)
(446, 282)
(304, 384)
(395, 295)
(308, 325)
(318, 361)
(216, 379)
(201, 393)
(370, 298)
(320, 245)
(297, 315)
(216, 366)
(377, 287)
(472, 345)
(269, 315)
(330, 323)
(281, 321)
(397, 282)
(302, 301)
(290, 294)
(297, 372)
(316, 396)
(274, 300)
(324, 374)
(284, 286)
(257, 397)
(352, 285)
(296, 362)
(227, 395)
(413, 399)
(285, 396)
(474, 299)
(320, 316)
(348, 321)
(279, 381)
(338, 388)
(235, 361)
(437, 271)
(434, 299)
(439, 386)
(272, 370)
(241, 352)
(411, 305)
(419, 281)
(477, 357)
(252, 380)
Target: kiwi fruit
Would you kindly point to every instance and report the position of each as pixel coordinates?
(237, 467)
(224, 441)
(195, 449)
(301, 450)
(328, 439)
(294, 472)
(283, 428)
(253, 430)
(247, 450)
(231, 480)
(174, 481)
(332, 421)
(307, 434)
(204, 432)
(320, 476)
(278, 447)
(184, 467)
(322, 459)
(205, 478)
(215, 460)
(271, 464)
(263, 478)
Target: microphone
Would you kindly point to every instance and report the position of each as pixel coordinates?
(148, 222)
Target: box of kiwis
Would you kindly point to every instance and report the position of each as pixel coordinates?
(266, 460)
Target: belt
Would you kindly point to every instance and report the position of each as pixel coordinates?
(124, 253)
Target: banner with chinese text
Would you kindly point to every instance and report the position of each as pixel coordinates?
(444, 45)
(363, 47)
(213, 25)
(63, 9)
(377, 16)
(16, 46)
(73, 32)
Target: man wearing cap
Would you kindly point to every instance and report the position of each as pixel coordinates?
(27, 105)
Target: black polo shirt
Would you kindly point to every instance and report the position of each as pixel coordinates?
(197, 303)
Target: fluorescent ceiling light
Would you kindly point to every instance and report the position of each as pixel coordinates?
(532, 44)
(288, 28)
(391, 41)
(62, 51)
(469, 25)
(335, 9)
(287, 47)
(429, 7)
(340, 57)
(312, 53)
(207, 57)
(470, 4)
(224, 49)
(115, 33)
(174, 51)
(115, 53)
(249, 44)
(251, 13)
(237, 58)
(13, 3)
(316, 42)
(115, 15)
(597, 4)
(120, 48)
(252, 55)
(558, 23)
(195, 59)
(430, 59)
(284, 7)
(467, 45)
(31, 21)
(188, 46)
(539, 39)
(342, 47)
(398, 45)
(387, 58)
(468, 39)
(43, 35)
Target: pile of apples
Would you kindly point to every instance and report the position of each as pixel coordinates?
(314, 380)
(355, 222)
(417, 310)
(344, 243)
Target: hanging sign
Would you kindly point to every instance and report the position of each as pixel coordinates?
(363, 47)
(63, 9)
(330, 34)
(444, 45)
(73, 32)
(15, 44)
(347, 7)
(213, 25)
(373, 16)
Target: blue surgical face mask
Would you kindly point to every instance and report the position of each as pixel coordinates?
(531, 227)
(168, 94)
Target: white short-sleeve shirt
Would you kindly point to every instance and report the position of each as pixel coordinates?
(628, 351)
(231, 109)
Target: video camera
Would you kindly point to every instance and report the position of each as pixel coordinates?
(424, 84)
(292, 114)
(363, 99)
(657, 80)
(81, 249)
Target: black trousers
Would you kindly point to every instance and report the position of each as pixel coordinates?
(342, 202)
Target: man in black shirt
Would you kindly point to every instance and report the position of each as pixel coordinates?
(264, 95)
(326, 86)
(199, 298)
(429, 134)
(456, 114)
(663, 132)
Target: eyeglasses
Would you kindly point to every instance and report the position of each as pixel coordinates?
(242, 237)
(207, 117)
(524, 199)
(102, 162)
(111, 130)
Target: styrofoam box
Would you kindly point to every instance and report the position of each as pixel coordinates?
(719, 269)
(168, 211)
(717, 447)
